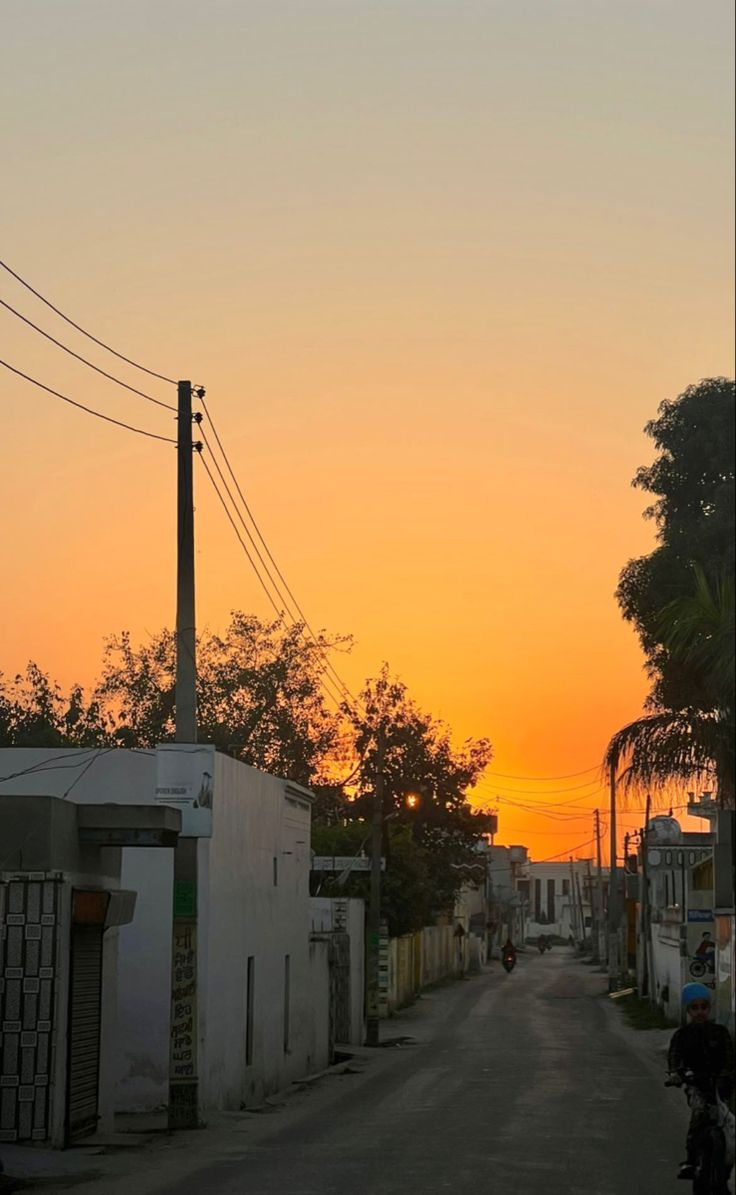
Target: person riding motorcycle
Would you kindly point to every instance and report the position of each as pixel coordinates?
(508, 950)
(704, 1049)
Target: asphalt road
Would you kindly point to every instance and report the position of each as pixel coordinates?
(519, 1083)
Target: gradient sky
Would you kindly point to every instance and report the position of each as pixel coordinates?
(436, 263)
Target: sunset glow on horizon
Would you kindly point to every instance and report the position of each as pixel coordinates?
(437, 265)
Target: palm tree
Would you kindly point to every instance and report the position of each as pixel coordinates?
(697, 740)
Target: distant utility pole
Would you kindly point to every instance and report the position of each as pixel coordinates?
(374, 905)
(186, 646)
(614, 914)
(594, 937)
(646, 920)
(573, 903)
(599, 869)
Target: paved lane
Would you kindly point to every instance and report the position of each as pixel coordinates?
(518, 1083)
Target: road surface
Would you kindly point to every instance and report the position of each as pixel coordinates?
(521, 1083)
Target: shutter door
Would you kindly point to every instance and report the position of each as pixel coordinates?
(84, 1030)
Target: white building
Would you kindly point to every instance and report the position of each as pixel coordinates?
(259, 1014)
(560, 900)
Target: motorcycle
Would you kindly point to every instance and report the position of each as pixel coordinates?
(508, 962)
(714, 1146)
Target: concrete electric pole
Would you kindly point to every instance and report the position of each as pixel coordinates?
(186, 645)
(373, 997)
(184, 1090)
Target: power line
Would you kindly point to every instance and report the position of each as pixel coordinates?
(162, 377)
(84, 360)
(551, 792)
(279, 613)
(264, 565)
(564, 854)
(567, 776)
(553, 815)
(89, 410)
(305, 621)
(42, 765)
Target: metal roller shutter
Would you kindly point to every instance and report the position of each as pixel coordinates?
(85, 994)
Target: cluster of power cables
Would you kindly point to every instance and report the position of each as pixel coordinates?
(220, 474)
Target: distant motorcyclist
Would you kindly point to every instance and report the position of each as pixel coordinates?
(508, 950)
(704, 1049)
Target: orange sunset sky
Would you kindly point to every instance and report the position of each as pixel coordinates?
(437, 263)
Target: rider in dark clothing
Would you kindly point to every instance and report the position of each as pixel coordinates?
(508, 949)
(706, 1049)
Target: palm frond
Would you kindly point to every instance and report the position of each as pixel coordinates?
(668, 749)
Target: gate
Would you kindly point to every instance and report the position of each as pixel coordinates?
(340, 1018)
(85, 993)
(29, 910)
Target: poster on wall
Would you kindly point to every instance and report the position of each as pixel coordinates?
(185, 776)
(701, 946)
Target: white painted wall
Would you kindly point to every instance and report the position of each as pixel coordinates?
(256, 819)
(667, 964)
(565, 921)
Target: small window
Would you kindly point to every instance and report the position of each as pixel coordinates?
(565, 887)
(287, 1002)
(249, 997)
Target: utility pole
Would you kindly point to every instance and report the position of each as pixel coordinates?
(184, 1076)
(186, 648)
(601, 911)
(573, 903)
(645, 906)
(582, 910)
(374, 905)
(614, 916)
(593, 914)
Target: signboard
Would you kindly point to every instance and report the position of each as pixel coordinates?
(343, 863)
(700, 914)
(673, 856)
(185, 776)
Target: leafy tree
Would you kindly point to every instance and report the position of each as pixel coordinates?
(35, 713)
(693, 481)
(429, 846)
(680, 598)
(258, 692)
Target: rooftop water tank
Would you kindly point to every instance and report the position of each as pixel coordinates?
(663, 829)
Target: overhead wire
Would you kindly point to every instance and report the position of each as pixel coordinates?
(567, 776)
(279, 613)
(129, 360)
(550, 792)
(337, 679)
(89, 410)
(90, 364)
(564, 854)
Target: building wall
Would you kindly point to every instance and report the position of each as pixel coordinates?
(254, 907)
(667, 964)
(545, 878)
(141, 1047)
(242, 912)
(144, 994)
(328, 915)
